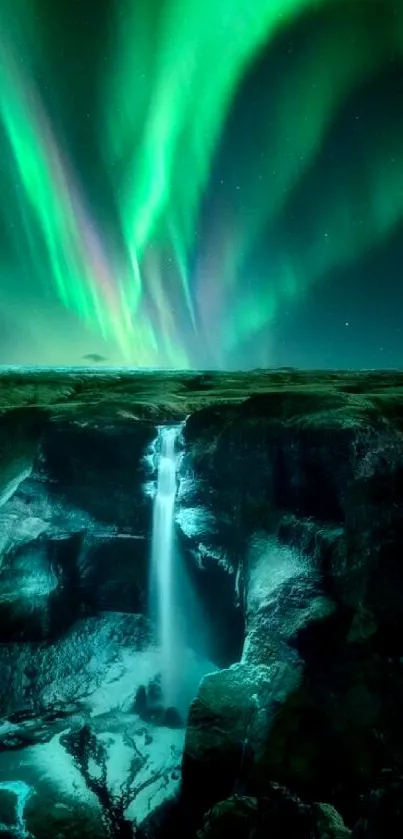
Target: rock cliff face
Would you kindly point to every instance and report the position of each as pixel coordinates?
(290, 524)
(316, 482)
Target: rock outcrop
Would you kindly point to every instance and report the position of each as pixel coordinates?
(314, 483)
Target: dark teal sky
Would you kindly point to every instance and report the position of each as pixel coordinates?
(278, 239)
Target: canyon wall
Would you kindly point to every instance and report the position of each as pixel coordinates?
(290, 524)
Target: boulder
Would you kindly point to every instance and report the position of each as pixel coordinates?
(277, 814)
(228, 728)
(329, 823)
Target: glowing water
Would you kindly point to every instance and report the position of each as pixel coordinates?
(163, 566)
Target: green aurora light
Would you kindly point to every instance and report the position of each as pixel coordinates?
(159, 290)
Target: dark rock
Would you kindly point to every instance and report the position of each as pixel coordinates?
(99, 467)
(219, 588)
(322, 474)
(148, 704)
(23, 714)
(236, 817)
(39, 591)
(21, 431)
(172, 718)
(8, 810)
(114, 573)
(277, 814)
(140, 702)
(329, 823)
(228, 728)
(48, 819)
(381, 809)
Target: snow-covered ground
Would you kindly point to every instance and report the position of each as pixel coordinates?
(90, 678)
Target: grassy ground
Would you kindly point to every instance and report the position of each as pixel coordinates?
(164, 394)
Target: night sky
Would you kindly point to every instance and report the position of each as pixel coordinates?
(201, 183)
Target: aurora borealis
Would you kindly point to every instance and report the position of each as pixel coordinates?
(201, 184)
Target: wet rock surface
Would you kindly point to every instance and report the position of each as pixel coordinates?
(316, 485)
(277, 814)
(290, 525)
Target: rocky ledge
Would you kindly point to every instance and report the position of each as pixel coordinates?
(290, 525)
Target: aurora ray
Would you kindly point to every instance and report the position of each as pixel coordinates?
(211, 122)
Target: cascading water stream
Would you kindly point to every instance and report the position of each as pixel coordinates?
(163, 566)
(173, 601)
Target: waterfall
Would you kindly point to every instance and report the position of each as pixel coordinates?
(163, 563)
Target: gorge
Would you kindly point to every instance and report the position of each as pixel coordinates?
(201, 604)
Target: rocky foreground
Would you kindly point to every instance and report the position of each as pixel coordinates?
(290, 525)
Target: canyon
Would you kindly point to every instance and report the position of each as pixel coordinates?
(282, 710)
